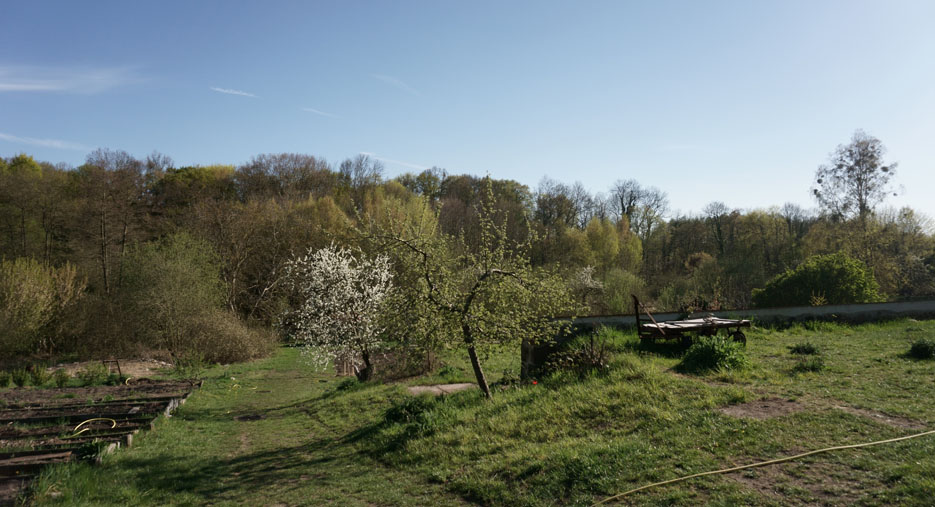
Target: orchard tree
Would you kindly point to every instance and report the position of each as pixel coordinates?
(340, 297)
(855, 179)
(477, 296)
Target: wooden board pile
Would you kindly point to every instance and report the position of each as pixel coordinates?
(39, 427)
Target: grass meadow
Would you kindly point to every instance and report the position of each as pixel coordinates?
(276, 432)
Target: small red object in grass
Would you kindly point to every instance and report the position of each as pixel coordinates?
(534, 382)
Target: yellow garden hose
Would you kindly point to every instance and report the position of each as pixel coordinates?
(113, 424)
(762, 463)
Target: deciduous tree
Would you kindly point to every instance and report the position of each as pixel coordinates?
(855, 179)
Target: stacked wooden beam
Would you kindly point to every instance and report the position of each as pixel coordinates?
(39, 427)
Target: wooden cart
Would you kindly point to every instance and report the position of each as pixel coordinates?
(684, 330)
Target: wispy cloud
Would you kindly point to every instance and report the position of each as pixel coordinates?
(85, 80)
(232, 92)
(392, 161)
(45, 143)
(320, 113)
(398, 83)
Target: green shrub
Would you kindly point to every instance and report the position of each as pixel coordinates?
(809, 364)
(923, 348)
(33, 299)
(804, 349)
(219, 336)
(713, 353)
(619, 284)
(190, 366)
(20, 377)
(4, 379)
(38, 375)
(582, 355)
(173, 299)
(93, 374)
(832, 279)
(61, 377)
(168, 286)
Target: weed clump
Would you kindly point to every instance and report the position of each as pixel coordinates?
(93, 374)
(411, 410)
(60, 377)
(923, 348)
(804, 349)
(20, 376)
(812, 364)
(38, 375)
(4, 379)
(712, 353)
(450, 373)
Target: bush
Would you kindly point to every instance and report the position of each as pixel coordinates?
(583, 355)
(219, 336)
(168, 287)
(713, 353)
(38, 375)
(923, 348)
(20, 376)
(804, 348)
(619, 284)
(33, 299)
(173, 300)
(61, 378)
(832, 279)
(4, 379)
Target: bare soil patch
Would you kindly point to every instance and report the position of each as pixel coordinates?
(134, 368)
(139, 388)
(440, 389)
(826, 483)
(892, 420)
(763, 409)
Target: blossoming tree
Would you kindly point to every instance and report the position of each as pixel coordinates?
(340, 296)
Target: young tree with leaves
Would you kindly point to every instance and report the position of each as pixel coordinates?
(476, 296)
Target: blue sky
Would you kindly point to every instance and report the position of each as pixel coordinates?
(732, 101)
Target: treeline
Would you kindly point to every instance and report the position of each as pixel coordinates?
(135, 254)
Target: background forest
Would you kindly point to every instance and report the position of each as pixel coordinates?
(125, 256)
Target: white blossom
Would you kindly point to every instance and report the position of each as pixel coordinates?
(340, 296)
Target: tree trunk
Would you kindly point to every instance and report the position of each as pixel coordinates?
(104, 251)
(123, 248)
(23, 228)
(475, 362)
(365, 374)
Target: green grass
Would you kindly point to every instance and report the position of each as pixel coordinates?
(564, 440)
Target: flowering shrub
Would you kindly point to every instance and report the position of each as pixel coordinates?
(339, 300)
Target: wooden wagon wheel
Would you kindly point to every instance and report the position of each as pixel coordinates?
(739, 337)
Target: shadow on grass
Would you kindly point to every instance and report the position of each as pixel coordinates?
(674, 348)
(286, 468)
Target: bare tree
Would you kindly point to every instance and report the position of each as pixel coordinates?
(714, 215)
(855, 179)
